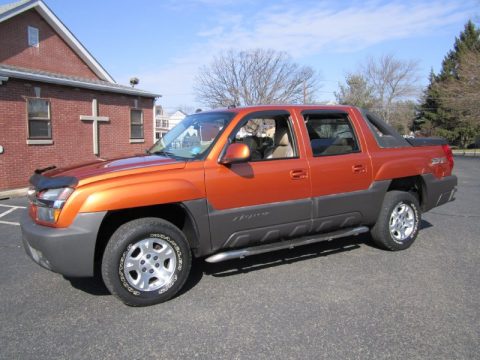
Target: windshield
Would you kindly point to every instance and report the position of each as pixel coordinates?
(193, 136)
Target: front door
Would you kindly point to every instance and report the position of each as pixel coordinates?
(266, 198)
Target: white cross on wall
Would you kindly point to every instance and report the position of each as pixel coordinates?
(95, 118)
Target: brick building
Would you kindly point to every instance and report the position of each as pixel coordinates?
(58, 105)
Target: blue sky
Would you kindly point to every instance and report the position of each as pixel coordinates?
(164, 42)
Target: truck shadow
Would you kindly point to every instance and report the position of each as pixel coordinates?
(92, 286)
(285, 257)
(95, 286)
(278, 258)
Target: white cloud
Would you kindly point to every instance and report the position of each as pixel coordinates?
(303, 29)
(216, 31)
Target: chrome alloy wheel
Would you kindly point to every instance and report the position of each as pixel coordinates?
(402, 222)
(150, 264)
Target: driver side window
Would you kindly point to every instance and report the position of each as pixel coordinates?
(268, 138)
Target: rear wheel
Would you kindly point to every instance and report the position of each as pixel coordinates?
(146, 261)
(398, 223)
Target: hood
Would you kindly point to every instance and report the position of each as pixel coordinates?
(102, 167)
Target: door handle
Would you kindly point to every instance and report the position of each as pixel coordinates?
(359, 169)
(299, 174)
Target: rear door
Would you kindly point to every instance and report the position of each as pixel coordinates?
(340, 170)
(267, 198)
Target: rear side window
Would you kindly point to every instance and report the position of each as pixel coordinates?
(330, 134)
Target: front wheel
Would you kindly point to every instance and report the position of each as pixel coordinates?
(398, 223)
(146, 262)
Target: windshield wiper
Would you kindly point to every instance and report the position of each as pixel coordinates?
(163, 152)
(168, 154)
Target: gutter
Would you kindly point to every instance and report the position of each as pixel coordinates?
(74, 83)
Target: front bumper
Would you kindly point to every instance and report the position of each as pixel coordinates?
(68, 251)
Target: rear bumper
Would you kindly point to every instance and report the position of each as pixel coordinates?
(68, 251)
(438, 191)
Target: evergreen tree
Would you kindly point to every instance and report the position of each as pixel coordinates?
(469, 39)
(427, 111)
(434, 117)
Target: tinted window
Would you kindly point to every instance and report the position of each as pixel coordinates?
(330, 134)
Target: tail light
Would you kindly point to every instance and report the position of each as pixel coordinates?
(448, 154)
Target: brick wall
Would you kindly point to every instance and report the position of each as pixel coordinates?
(73, 139)
(53, 54)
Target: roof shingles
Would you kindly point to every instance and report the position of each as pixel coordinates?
(11, 6)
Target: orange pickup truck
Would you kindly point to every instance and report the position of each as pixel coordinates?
(231, 183)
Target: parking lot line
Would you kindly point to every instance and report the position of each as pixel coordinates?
(9, 223)
(7, 212)
(13, 206)
(10, 209)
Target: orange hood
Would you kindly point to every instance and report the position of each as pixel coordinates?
(102, 167)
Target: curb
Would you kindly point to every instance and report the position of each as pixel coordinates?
(14, 193)
(472, 153)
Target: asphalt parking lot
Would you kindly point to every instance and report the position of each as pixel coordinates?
(344, 299)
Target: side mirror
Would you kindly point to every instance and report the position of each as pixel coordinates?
(236, 153)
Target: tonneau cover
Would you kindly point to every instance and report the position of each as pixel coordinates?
(431, 141)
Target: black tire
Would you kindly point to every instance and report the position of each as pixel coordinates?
(131, 241)
(385, 233)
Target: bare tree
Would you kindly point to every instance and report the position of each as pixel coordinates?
(402, 116)
(392, 80)
(254, 77)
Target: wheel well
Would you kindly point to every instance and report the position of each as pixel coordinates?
(174, 213)
(412, 184)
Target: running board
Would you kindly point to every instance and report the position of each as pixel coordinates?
(289, 244)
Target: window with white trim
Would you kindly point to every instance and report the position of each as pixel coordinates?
(39, 123)
(136, 124)
(33, 36)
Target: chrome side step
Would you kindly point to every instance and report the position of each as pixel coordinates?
(289, 244)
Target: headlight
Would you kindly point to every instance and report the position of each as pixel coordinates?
(48, 203)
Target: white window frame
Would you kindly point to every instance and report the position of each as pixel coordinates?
(33, 36)
(45, 119)
(132, 124)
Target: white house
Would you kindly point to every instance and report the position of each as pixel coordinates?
(175, 118)
(165, 122)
